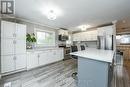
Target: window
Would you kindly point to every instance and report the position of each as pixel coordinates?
(45, 38)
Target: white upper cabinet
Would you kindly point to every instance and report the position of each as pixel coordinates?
(85, 36)
(63, 32)
(101, 32)
(8, 29)
(21, 31)
(13, 38)
(107, 30)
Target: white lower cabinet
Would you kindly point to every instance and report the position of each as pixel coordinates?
(44, 58)
(7, 63)
(59, 55)
(32, 60)
(41, 58)
(12, 63)
(20, 61)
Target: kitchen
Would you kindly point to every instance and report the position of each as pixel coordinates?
(51, 44)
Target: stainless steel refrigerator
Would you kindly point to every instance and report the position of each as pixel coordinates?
(105, 42)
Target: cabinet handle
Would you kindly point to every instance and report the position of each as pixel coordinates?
(14, 35)
(14, 58)
(54, 53)
(38, 55)
(14, 42)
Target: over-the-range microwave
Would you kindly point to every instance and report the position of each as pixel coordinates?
(63, 37)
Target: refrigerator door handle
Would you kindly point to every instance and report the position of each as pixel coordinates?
(98, 42)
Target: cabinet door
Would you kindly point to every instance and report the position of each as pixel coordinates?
(74, 37)
(109, 30)
(44, 58)
(60, 54)
(32, 60)
(7, 29)
(101, 32)
(7, 63)
(21, 31)
(7, 46)
(20, 47)
(53, 55)
(20, 61)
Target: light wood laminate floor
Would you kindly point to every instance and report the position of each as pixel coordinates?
(59, 75)
(120, 77)
(53, 75)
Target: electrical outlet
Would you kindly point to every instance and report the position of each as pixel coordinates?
(8, 84)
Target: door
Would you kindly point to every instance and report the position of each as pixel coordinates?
(7, 63)
(21, 31)
(32, 60)
(7, 29)
(20, 47)
(20, 61)
(7, 46)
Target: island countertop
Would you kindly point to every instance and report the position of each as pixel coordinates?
(96, 54)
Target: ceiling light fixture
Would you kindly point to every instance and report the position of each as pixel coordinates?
(51, 15)
(84, 27)
(51, 11)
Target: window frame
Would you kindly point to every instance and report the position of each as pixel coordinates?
(44, 44)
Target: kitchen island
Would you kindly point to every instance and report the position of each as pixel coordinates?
(94, 67)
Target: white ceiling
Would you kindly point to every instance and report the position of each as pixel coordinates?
(74, 12)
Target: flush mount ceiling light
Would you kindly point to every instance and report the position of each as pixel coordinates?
(51, 15)
(84, 27)
(51, 11)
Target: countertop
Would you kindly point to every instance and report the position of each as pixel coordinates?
(96, 54)
(42, 49)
